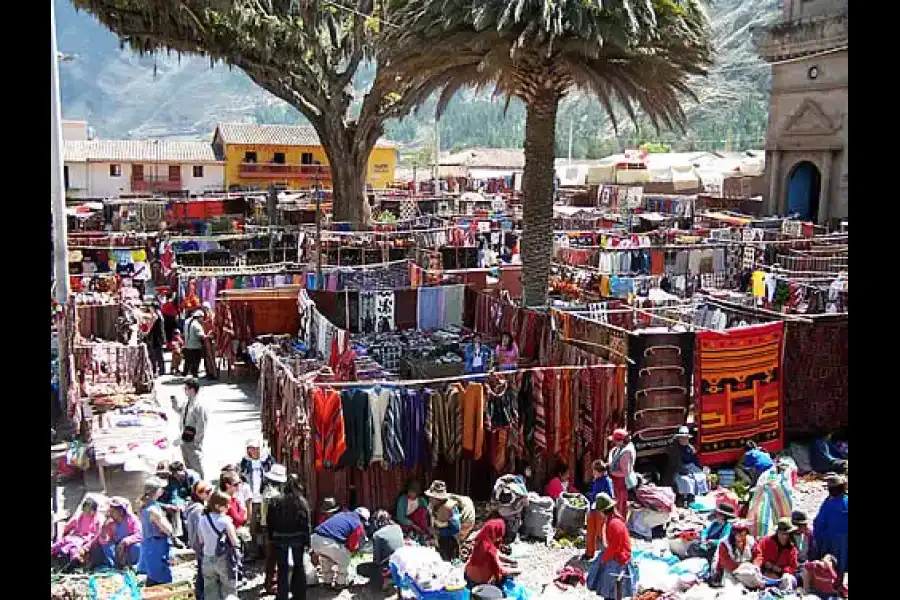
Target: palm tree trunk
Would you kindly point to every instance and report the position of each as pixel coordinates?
(537, 189)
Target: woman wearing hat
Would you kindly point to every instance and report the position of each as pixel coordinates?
(734, 550)
(157, 532)
(621, 468)
(718, 529)
(452, 518)
(776, 555)
(831, 527)
(612, 574)
(803, 536)
(683, 468)
(119, 542)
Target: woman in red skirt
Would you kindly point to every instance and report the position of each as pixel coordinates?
(621, 469)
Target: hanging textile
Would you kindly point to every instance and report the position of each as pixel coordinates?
(328, 427)
(738, 379)
(430, 308)
(384, 311)
(658, 385)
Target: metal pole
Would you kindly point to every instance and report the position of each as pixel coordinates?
(437, 156)
(318, 234)
(58, 208)
(571, 132)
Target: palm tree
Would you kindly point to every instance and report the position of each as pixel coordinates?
(633, 54)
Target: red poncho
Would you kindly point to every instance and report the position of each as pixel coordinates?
(484, 564)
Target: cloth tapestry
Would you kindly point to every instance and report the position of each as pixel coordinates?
(816, 395)
(658, 385)
(738, 390)
(384, 311)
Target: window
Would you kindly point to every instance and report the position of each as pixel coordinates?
(306, 158)
(137, 172)
(174, 173)
(278, 159)
(115, 170)
(250, 157)
(198, 171)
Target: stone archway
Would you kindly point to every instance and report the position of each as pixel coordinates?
(804, 189)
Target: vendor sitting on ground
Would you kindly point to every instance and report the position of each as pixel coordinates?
(734, 550)
(78, 535)
(452, 518)
(335, 540)
(615, 563)
(820, 577)
(387, 538)
(826, 457)
(832, 524)
(559, 485)
(683, 470)
(718, 529)
(412, 510)
(756, 461)
(601, 484)
(776, 555)
(803, 537)
(486, 564)
(119, 542)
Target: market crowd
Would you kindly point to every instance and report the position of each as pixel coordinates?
(256, 509)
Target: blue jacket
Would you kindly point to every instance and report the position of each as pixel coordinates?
(821, 457)
(603, 484)
(758, 459)
(716, 531)
(833, 520)
(485, 359)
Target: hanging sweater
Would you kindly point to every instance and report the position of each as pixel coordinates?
(443, 425)
(358, 428)
(379, 401)
(392, 431)
(473, 419)
(414, 428)
(328, 425)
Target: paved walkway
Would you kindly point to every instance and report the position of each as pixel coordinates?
(234, 417)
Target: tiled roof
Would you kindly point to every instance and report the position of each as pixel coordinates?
(504, 158)
(275, 135)
(138, 151)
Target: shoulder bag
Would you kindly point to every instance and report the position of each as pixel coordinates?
(224, 548)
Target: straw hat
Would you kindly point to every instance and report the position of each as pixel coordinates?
(683, 432)
(785, 526)
(437, 490)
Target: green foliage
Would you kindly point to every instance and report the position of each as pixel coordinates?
(655, 148)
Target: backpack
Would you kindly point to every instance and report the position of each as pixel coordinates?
(224, 548)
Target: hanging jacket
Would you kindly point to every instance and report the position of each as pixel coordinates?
(414, 427)
(473, 419)
(328, 425)
(358, 427)
(392, 431)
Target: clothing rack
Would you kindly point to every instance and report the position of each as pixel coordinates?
(755, 311)
(419, 382)
(267, 269)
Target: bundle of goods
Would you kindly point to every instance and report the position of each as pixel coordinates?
(113, 585)
(571, 513)
(538, 517)
(659, 570)
(103, 402)
(511, 497)
(424, 572)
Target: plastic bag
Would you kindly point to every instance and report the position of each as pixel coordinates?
(105, 586)
(571, 515)
(514, 590)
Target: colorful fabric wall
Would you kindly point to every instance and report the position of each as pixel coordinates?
(738, 391)
(816, 391)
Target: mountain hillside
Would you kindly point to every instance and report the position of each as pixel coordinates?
(123, 95)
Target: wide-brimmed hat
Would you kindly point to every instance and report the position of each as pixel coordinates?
(604, 503)
(619, 435)
(153, 484)
(330, 506)
(683, 432)
(834, 480)
(726, 510)
(785, 526)
(798, 517)
(277, 473)
(197, 313)
(437, 490)
(741, 525)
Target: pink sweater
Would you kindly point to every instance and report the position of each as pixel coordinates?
(83, 525)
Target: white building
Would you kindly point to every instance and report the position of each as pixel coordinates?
(114, 168)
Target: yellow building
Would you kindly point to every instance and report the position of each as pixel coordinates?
(288, 156)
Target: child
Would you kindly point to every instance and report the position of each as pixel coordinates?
(175, 345)
(820, 577)
(601, 484)
(79, 534)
